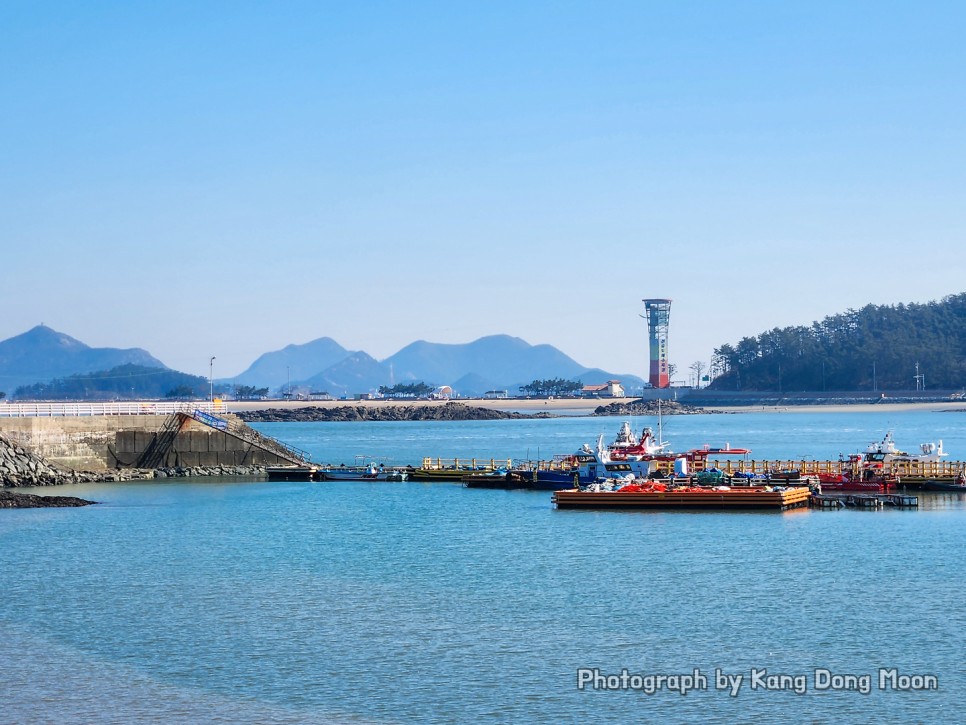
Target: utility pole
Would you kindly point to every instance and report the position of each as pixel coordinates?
(211, 384)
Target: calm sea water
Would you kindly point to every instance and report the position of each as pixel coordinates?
(770, 436)
(243, 601)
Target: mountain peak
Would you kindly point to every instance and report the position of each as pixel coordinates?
(41, 354)
(293, 363)
(43, 335)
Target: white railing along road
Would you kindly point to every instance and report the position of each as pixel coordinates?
(132, 407)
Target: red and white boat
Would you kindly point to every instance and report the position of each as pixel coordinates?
(872, 471)
(628, 447)
(846, 483)
(858, 475)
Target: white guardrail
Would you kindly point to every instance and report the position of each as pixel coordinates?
(53, 410)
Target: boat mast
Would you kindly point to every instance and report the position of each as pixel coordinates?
(660, 426)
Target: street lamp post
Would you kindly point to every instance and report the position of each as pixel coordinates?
(211, 384)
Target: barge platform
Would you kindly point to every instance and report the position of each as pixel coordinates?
(752, 497)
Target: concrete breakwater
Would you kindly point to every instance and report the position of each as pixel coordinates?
(84, 443)
(110, 442)
(21, 467)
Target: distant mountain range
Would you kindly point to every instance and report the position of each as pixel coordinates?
(42, 354)
(292, 363)
(497, 362)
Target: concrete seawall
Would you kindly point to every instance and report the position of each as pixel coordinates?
(100, 442)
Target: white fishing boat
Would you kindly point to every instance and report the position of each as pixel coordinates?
(886, 451)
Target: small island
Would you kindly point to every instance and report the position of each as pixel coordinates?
(11, 500)
(648, 407)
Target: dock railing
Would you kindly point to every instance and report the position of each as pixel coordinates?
(55, 409)
(902, 469)
(248, 434)
(438, 464)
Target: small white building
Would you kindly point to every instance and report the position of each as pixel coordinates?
(443, 392)
(610, 389)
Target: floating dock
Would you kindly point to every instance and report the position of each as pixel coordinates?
(861, 500)
(734, 498)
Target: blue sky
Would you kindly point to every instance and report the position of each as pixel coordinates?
(224, 179)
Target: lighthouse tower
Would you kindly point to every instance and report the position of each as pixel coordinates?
(657, 314)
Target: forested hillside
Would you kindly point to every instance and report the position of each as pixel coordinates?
(124, 382)
(874, 348)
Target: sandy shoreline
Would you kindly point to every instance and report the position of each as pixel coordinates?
(586, 407)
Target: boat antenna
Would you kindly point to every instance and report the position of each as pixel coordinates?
(660, 424)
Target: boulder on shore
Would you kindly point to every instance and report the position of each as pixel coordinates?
(20, 467)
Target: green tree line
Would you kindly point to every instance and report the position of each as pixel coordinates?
(555, 386)
(122, 382)
(879, 347)
(406, 390)
(249, 392)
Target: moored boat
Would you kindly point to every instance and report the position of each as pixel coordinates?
(361, 473)
(842, 484)
(291, 473)
(630, 457)
(929, 465)
(886, 451)
(499, 479)
(957, 484)
(849, 482)
(553, 480)
(870, 472)
(523, 479)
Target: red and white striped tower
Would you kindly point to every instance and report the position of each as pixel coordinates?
(658, 314)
